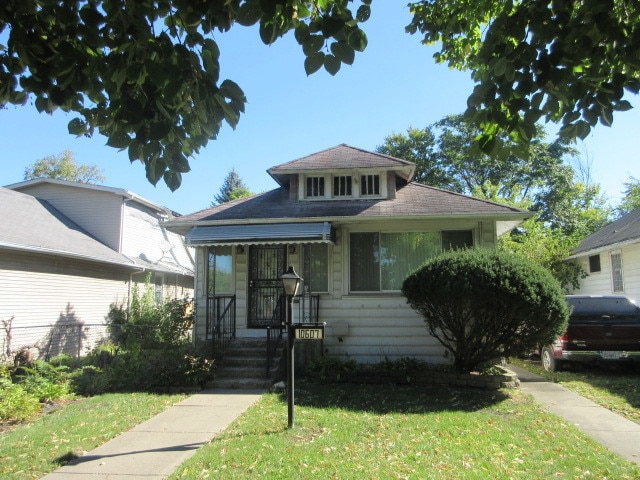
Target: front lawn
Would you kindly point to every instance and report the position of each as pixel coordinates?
(405, 432)
(33, 449)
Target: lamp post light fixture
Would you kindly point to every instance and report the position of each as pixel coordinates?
(290, 281)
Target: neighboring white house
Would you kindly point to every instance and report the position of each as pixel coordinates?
(354, 226)
(611, 257)
(69, 250)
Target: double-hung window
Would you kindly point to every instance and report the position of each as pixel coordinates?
(315, 187)
(316, 267)
(616, 272)
(380, 261)
(342, 186)
(369, 185)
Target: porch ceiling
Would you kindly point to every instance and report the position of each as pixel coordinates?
(275, 233)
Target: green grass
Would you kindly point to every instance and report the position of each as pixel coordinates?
(31, 450)
(617, 389)
(408, 432)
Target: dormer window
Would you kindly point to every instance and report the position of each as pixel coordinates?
(342, 186)
(370, 185)
(315, 187)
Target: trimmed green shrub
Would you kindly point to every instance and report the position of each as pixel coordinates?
(46, 382)
(483, 304)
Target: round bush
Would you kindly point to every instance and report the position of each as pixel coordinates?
(483, 304)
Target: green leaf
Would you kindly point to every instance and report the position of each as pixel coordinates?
(312, 44)
(301, 33)
(173, 180)
(42, 105)
(343, 52)
(268, 32)
(230, 89)
(357, 40)
(363, 13)
(313, 63)
(249, 14)
(622, 106)
(77, 127)
(119, 140)
(331, 64)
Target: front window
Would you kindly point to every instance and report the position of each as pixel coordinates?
(594, 263)
(219, 271)
(381, 261)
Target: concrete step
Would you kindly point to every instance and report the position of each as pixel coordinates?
(240, 383)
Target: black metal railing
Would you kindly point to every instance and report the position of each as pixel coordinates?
(221, 322)
(305, 309)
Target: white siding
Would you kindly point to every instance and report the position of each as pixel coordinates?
(99, 213)
(43, 294)
(601, 283)
(379, 325)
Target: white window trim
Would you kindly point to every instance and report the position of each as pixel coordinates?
(355, 185)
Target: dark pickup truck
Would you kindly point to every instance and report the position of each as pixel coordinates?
(601, 329)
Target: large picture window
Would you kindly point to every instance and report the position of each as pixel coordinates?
(380, 261)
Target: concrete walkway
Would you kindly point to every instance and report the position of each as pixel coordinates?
(614, 432)
(155, 448)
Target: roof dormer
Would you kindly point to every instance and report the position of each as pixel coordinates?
(342, 173)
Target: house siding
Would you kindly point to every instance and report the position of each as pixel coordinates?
(82, 205)
(379, 325)
(44, 294)
(601, 283)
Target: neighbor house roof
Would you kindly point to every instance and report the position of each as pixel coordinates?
(623, 231)
(126, 194)
(34, 225)
(342, 157)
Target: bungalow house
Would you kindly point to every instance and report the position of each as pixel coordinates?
(611, 257)
(353, 225)
(68, 251)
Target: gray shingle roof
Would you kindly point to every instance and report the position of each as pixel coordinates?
(343, 157)
(34, 225)
(624, 230)
(413, 200)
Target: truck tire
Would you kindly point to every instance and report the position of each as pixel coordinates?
(549, 362)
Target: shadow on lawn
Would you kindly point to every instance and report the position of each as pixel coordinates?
(383, 399)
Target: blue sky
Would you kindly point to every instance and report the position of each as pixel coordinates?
(393, 85)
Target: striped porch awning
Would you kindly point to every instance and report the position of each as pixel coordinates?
(273, 233)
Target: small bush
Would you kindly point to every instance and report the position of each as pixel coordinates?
(330, 368)
(482, 305)
(89, 381)
(16, 404)
(44, 381)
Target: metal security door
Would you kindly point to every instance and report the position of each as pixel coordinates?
(266, 296)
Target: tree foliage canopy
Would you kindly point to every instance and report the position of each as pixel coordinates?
(64, 167)
(146, 74)
(565, 61)
(631, 199)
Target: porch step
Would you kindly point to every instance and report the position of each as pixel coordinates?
(244, 365)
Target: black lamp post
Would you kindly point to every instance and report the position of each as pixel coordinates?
(291, 282)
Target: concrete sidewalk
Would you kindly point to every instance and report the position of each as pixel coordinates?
(614, 432)
(155, 448)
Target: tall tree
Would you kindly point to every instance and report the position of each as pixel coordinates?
(446, 156)
(232, 188)
(64, 167)
(631, 199)
(146, 74)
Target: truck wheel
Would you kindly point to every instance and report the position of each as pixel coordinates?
(549, 362)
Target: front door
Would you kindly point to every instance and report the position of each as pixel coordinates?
(266, 300)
